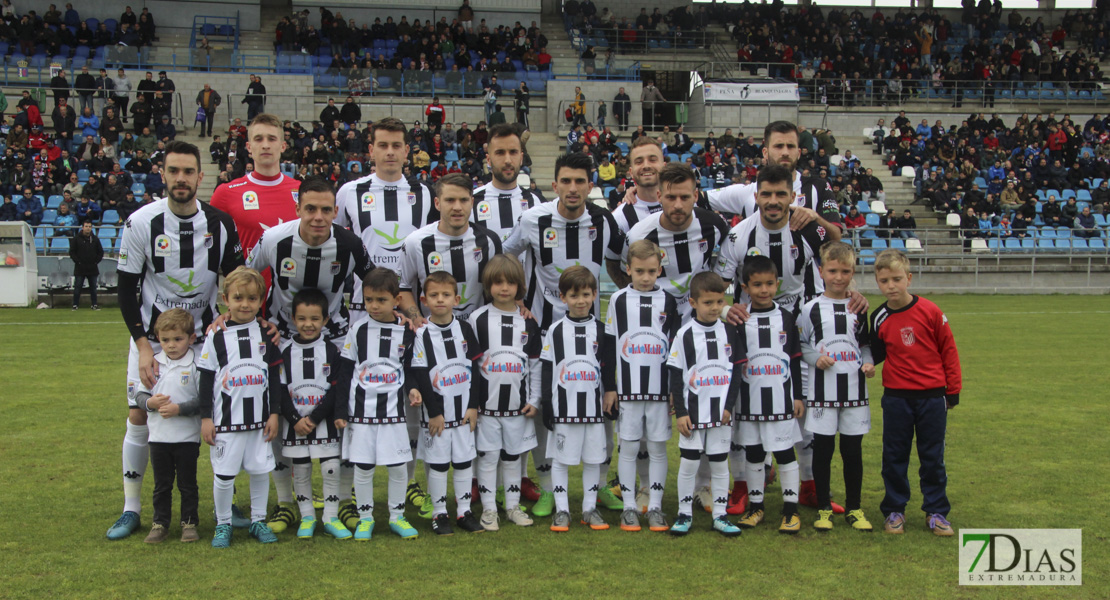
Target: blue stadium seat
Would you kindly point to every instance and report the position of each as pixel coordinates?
(54, 201)
(864, 207)
(872, 220)
(1067, 194)
(898, 244)
(83, 175)
(59, 245)
(1028, 244)
(1013, 245)
(879, 244)
(994, 244)
(1047, 232)
(1044, 245)
(138, 189)
(1096, 244)
(48, 216)
(1083, 196)
(1100, 220)
(110, 217)
(867, 257)
(1052, 192)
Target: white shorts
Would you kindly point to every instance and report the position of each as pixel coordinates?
(318, 451)
(376, 444)
(454, 445)
(576, 444)
(514, 435)
(134, 382)
(852, 420)
(774, 436)
(714, 440)
(649, 421)
(242, 451)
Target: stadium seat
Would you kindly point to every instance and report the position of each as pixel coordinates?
(863, 207)
(1047, 232)
(995, 245)
(878, 206)
(1083, 196)
(879, 244)
(1100, 220)
(872, 220)
(867, 257)
(59, 245)
(1096, 244)
(979, 245)
(953, 220)
(914, 245)
(110, 217)
(54, 201)
(49, 215)
(898, 243)
(1044, 245)
(138, 189)
(1028, 244)
(1013, 245)
(1067, 194)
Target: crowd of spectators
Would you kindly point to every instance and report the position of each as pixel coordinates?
(682, 26)
(456, 48)
(844, 57)
(57, 32)
(1003, 179)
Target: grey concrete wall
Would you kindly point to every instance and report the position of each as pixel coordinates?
(178, 13)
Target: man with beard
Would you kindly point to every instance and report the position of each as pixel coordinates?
(499, 204)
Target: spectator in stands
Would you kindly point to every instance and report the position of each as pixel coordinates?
(1085, 226)
(65, 223)
(166, 132)
(111, 127)
(87, 209)
(682, 142)
(208, 99)
(237, 131)
(155, 184)
(255, 98)
(855, 220)
(141, 112)
(59, 85)
(606, 172)
(1051, 213)
(127, 206)
(146, 88)
(64, 118)
(29, 208)
(969, 227)
(1069, 212)
(121, 93)
(8, 210)
(72, 189)
(622, 106)
(906, 226)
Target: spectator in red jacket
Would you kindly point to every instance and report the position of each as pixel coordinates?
(1055, 140)
(855, 220)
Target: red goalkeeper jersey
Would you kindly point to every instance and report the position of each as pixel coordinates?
(920, 352)
(257, 203)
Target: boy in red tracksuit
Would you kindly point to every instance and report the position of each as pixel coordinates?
(921, 383)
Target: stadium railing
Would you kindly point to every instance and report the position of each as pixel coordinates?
(875, 92)
(306, 109)
(633, 40)
(402, 82)
(177, 109)
(215, 28)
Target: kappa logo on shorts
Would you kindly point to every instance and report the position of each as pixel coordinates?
(560, 441)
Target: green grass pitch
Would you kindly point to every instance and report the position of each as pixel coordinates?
(1024, 450)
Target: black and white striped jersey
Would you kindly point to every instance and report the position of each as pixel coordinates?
(309, 374)
(555, 243)
(443, 361)
(574, 355)
(828, 328)
(428, 250)
(379, 354)
(628, 215)
(809, 192)
(772, 373)
(706, 358)
(641, 325)
(509, 373)
(383, 214)
(685, 253)
(500, 210)
(794, 253)
(179, 260)
(240, 358)
(297, 266)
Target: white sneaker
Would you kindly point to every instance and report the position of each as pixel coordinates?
(490, 521)
(518, 517)
(642, 499)
(703, 498)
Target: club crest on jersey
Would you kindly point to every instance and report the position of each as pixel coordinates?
(907, 336)
(435, 262)
(288, 268)
(184, 378)
(463, 344)
(208, 240)
(335, 267)
(131, 389)
(326, 369)
(162, 246)
(664, 257)
(782, 338)
(400, 349)
(368, 202)
(794, 252)
(524, 339)
(728, 350)
(754, 252)
(593, 233)
(550, 238)
(478, 255)
(411, 198)
(799, 199)
(250, 200)
(262, 347)
(296, 196)
(703, 246)
(484, 211)
(594, 344)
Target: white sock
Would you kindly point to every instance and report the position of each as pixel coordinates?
(464, 486)
(687, 474)
(753, 473)
(487, 479)
(437, 489)
(136, 455)
(260, 497)
(510, 470)
(398, 480)
(560, 479)
(283, 475)
(302, 485)
(804, 450)
(329, 472)
(222, 491)
(702, 478)
(788, 478)
(719, 475)
(346, 480)
(657, 473)
(736, 462)
(626, 472)
(643, 460)
(590, 473)
(364, 490)
(540, 459)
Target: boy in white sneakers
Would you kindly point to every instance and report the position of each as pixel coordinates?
(310, 374)
(507, 387)
(640, 322)
(443, 361)
(705, 363)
